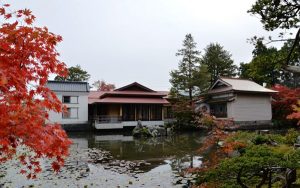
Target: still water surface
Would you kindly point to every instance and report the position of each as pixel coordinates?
(178, 151)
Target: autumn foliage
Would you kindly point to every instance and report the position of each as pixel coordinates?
(296, 113)
(216, 137)
(283, 104)
(101, 85)
(27, 57)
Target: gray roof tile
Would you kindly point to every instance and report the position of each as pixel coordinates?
(68, 86)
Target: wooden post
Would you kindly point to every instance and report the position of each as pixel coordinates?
(149, 112)
(135, 113)
(162, 113)
(121, 110)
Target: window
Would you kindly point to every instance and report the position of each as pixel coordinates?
(156, 112)
(66, 99)
(142, 112)
(70, 99)
(219, 110)
(70, 113)
(128, 113)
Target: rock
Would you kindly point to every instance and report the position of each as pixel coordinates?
(234, 153)
(220, 143)
(297, 146)
(298, 140)
(184, 181)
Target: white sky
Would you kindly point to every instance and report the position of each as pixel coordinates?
(122, 41)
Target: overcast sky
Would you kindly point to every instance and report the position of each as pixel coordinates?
(122, 41)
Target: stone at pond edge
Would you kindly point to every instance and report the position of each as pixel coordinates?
(148, 131)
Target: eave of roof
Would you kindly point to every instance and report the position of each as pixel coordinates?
(132, 93)
(123, 100)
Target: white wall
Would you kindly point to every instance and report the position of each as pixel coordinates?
(250, 108)
(82, 109)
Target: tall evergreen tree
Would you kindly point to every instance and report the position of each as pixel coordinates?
(218, 61)
(75, 74)
(190, 76)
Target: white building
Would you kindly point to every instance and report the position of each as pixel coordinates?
(74, 95)
(244, 101)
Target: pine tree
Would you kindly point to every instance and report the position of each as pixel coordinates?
(190, 76)
(218, 61)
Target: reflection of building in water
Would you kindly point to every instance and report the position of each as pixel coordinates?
(125, 147)
(113, 138)
(80, 143)
(180, 149)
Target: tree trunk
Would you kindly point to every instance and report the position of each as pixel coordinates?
(238, 179)
(264, 178)
(191, 95)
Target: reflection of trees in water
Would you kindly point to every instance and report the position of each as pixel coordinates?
(179, 164)
(168, 146)
(143, 149)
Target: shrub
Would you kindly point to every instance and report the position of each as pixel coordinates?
(260, 139)
(291, 136)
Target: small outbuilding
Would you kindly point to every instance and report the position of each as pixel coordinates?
(243, 101)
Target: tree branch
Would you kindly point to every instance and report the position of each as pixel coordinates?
(296, 41)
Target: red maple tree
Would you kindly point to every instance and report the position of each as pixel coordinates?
(283, 103)
(101, 85)
(296, 113)
(27, 57)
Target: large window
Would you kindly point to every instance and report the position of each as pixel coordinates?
(70, 113)
(128, 112)
(70, 99)
(219, 110)
(156, 112)
(142, 112)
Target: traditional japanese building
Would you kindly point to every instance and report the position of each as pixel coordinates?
(123, 107)
(243, 101)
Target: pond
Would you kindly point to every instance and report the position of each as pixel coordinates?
(164, 159)
(179, 150)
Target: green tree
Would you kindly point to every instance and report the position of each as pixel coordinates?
(218, 61)
(187, 81)
(281, 14)
(265, 66)
(191, 77)
(75, 74)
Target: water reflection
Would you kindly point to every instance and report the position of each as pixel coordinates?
(178, 151)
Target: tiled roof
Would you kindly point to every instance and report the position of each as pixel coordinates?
(128, 100)
(134, 97)
(241, 85)
(102, 94)
(69, 86)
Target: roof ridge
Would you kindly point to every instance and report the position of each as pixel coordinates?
(236, 78)
(67, 81)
